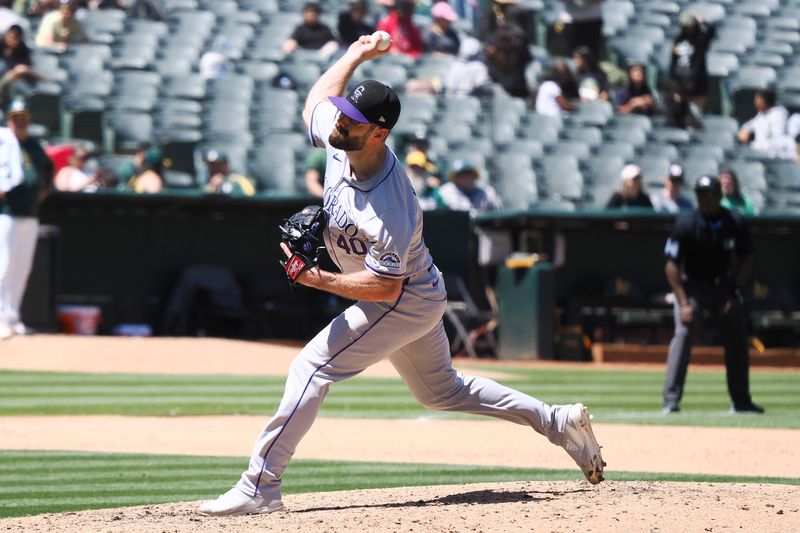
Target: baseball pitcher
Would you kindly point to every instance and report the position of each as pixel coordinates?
(372, 229)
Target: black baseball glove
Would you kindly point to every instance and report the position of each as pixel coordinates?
(302, 233)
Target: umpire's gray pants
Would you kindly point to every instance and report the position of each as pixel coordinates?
(410, 332)
(732, 328)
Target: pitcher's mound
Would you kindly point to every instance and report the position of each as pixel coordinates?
(512, 506)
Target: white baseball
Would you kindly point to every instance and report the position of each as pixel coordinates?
(384, 41)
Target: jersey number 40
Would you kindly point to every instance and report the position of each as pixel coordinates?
(357, 246)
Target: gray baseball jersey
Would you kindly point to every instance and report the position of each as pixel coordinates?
(376, 224)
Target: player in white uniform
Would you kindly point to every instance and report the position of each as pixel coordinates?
(374, 236)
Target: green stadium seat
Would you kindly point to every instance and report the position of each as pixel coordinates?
(711, 12)
(552, 204)
(717, 153)
(720, 123)
(588, 135)
(632, 136)
(391, 75)
(191, 86)
(616, 148)
(125, 130)
(654, 169)
(579, 149)
(627, 50)
(264, 7)
(566, 186)
(782, 174)
(259, 70)
(604, 169)
(83, 118)
(670, 135)
(530, 148)
(517, 188)
(274, 169)
(662, 150)
(751, 174)
(666, 7)
(716, 137)
(641, 122)
(694, 167)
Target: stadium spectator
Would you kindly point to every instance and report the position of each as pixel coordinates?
(129, 170)
(502, 13)
(677, 109)
(552, 96)
(507, 56)
(670, 199)
(311, 34)
(767, 131)
(315, 172)
(216, 62)
(468, 75)
(9, 17)
(76, 176)
(15, 69)
(592, 81)
(636, 97)
(418, 142)
(148, 9)
(630, 194)
(105, 4)
(222, 180)
(440, 37)
(399, 25)
(732, 196)
(464, 193)
(688, 64)
(60, 28)
(19, 207)
(149, 177)
(709, 256)
(421, 172)
(353, 23)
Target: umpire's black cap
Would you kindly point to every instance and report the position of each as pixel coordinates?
(370, 102)
(708, 184)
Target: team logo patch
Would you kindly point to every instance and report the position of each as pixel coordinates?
(390, 260)
(294, 267)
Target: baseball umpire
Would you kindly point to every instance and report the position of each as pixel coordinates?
(371, 224)
(709, 256)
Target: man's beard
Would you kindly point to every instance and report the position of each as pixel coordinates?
(342, 141)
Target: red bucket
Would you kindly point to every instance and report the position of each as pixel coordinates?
(79, 319)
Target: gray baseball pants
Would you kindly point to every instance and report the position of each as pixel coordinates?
(411, 334)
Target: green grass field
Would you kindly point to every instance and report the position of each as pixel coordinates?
(614, 396)
(42, 482)
(38, 482)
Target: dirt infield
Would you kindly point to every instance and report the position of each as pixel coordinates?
(546, 506)
(754, 452)
(506, 507)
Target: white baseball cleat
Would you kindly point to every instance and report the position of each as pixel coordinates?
(5, 331)
(237, 503)
(581, 445)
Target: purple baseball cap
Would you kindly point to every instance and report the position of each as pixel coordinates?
(370, 102)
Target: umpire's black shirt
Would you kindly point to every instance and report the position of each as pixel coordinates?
(706, 245)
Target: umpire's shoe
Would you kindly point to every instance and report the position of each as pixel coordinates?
(748, 408)
(236, 503)
(581, 445)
